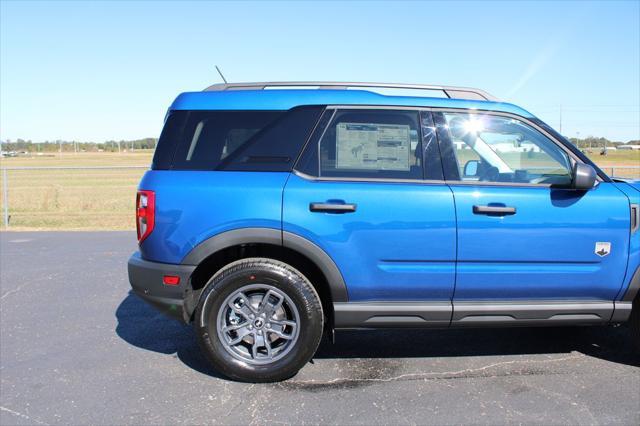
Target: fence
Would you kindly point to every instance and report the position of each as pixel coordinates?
(632, 172)
(69, 197)
(97, 197)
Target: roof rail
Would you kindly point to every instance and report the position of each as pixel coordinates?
(450, 91)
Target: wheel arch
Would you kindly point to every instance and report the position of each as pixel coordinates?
(311, 260)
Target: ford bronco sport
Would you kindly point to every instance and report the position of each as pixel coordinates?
(270, 216)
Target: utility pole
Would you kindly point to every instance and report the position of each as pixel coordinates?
(560, 118)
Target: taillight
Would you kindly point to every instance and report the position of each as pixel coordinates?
(145, 213)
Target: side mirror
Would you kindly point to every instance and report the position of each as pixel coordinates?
(584, 177)
(471, 168)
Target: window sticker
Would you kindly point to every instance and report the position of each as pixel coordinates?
(372, 146)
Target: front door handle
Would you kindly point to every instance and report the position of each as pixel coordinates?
(332, 207)
(494, 210)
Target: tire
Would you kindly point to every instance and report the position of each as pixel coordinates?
(634, 323)
(259, 320)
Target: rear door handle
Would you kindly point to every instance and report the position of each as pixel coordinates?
(494, 210)
(332, 207)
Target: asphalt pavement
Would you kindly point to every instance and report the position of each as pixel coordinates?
(77, 348)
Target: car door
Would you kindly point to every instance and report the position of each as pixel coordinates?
(359, 193)
(523, 234)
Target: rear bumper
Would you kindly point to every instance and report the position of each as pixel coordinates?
(146, 281)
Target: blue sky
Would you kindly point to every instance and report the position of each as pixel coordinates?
(94, 71)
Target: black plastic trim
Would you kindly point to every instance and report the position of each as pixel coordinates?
(232, 238)
(146, 281)
(621, 312)
(390, 314)
(516, 312)
(478, 314)
(275, 237)
(634, 287)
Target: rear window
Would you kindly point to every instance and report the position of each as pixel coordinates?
(234, 140)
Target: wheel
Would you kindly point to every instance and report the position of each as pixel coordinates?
(634, 323)
(259, 320)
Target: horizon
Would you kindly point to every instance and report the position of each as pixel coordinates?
(108, 71)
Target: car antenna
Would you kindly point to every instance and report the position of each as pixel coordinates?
(220, 72)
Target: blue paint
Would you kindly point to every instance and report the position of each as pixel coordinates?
(192, 206)
(398, 245)
(547, 249)
(407, 241)
(631, 189)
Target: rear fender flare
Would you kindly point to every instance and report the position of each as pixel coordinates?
(312, 251)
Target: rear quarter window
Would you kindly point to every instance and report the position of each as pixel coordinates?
(234, 140)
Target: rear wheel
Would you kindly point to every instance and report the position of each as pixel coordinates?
(259, 320)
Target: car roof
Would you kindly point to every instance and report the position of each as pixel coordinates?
(233, 100)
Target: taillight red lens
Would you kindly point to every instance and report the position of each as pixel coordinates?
(171, 280)
(145, 213)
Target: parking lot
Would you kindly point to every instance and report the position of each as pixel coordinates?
(77, 348)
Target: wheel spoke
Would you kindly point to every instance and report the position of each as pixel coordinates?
(281, 334)
(246, 310)
(283, 324)
(255, 346)
(267, 345)
(233, 327)
(240, 334)
(267, 308)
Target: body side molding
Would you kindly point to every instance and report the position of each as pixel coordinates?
(477, 314)
(392, 314)
(525, 312)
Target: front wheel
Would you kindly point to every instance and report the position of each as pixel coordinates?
(259, 320)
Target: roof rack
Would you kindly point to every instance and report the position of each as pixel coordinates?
(450, 91)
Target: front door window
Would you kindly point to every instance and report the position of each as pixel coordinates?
(502, 149)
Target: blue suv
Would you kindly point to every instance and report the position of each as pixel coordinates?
(271, 216)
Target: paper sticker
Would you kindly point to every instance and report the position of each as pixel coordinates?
(373, 146)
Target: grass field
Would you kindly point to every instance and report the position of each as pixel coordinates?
(104, 199)
(74, 199)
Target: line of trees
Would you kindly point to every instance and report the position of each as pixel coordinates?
(21, 145)
(593, 142)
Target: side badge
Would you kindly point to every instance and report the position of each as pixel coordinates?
(603, 249)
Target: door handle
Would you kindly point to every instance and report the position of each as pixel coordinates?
(494, 210)
(332, 207)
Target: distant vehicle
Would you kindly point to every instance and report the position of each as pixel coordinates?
(271, 216)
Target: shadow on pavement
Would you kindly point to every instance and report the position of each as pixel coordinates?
(142, 326)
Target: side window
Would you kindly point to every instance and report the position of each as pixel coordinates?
(491, 148)
(235, 140)
(208, 137)
(371, 144)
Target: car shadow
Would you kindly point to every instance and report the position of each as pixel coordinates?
(142, 326)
